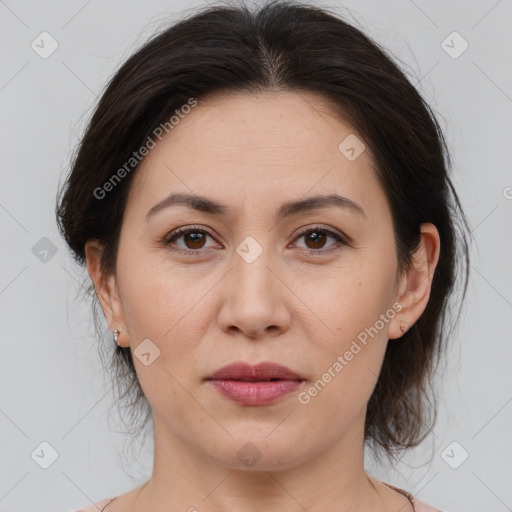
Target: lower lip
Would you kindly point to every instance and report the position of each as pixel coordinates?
(255, 393)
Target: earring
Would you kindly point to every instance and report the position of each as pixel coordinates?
(403, 326)
(116, 336)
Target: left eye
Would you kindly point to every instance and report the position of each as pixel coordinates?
(318, 236)
(195, 239)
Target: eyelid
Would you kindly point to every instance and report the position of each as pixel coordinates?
(340, 238)
(328, 229)
(178, 232)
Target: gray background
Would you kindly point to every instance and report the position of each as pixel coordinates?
(53, 388)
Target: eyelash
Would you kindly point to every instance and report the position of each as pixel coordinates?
(176, 234)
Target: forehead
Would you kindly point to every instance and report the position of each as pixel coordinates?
(270, 123)
(261, 146)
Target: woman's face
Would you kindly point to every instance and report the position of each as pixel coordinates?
(259, 281)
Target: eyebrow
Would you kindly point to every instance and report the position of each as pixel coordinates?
(212, 207)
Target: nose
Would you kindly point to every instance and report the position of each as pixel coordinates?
(254, 299)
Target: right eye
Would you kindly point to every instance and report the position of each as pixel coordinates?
(193, 237)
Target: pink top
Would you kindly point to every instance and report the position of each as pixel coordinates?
(418, 506)
(97, 507)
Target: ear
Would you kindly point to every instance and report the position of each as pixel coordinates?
(414, 284)
(106, 290)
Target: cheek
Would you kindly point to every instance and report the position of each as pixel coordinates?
(159, 306)
(347, 300)
(356, 305)
(158, 299)
(169, 307)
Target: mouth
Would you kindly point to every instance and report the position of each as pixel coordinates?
(262, 384)
(251, 380)
(262, 372)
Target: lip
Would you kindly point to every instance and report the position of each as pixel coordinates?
(250, 384)
(262, 371)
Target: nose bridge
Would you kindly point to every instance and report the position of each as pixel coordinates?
(251, 269)
(252, 301)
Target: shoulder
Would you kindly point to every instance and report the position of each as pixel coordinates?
(419, 506)
(96, 507)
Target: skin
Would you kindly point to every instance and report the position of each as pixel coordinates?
(252, 153)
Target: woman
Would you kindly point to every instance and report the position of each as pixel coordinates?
(263, 205)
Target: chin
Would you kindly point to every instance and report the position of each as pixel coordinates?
(261, 452)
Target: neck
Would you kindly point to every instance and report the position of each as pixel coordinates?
(186, 479)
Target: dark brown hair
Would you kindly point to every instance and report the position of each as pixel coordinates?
(292, 46)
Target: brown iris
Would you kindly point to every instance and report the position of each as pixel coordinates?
(319, 239)
(196, 238)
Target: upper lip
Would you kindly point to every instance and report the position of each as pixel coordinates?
(266, 370)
